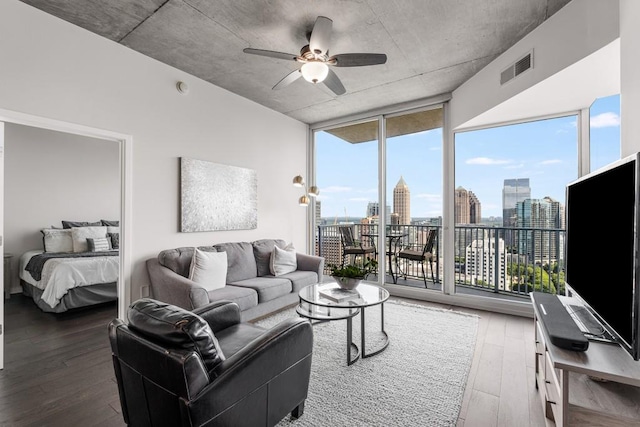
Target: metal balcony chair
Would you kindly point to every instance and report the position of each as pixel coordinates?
(421, 256)
(353, 247)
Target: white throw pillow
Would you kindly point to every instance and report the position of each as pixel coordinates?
(81, 234)
(283, 261)
(57, 240)
(209, 269)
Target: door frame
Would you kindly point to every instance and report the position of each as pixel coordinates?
(126, 170)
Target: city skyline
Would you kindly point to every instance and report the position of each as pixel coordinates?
(544, 151)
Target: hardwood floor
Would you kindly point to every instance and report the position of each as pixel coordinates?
(58, 370)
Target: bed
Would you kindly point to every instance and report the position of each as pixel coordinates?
(78, 267)
(70, 282)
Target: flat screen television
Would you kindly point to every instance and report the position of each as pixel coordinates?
(601, 248)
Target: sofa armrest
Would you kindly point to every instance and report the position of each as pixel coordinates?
(220, 314)
(172, 288)
(311, 263)
(287, 347)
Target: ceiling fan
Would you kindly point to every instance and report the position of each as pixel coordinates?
(315, 59)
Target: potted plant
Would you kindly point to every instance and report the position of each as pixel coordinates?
(350, 276)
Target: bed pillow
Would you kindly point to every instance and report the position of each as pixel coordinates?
(98, 244)
(115, 239)
(113, 229)
(108, 223)
(71, 224)
(81, 234)
(283, 261)
(209, 269)
(57, 240)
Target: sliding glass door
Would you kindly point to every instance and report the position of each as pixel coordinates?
(346, 160)
(367, 180)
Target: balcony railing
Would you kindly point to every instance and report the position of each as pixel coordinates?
(506, 261)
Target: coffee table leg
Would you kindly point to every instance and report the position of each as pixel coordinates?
(350, 343)
(384, 345)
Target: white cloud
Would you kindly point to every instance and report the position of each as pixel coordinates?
(486, 161)
(550, 162)
(359, 199)
(605, 120)
(335, 189)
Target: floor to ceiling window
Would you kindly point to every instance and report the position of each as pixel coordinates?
(509, 203)
(414, 197)
(604, 131)
(348, 160)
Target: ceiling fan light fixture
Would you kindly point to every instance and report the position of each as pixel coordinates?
(314, 71)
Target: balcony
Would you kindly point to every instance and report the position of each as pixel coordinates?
(498, 262)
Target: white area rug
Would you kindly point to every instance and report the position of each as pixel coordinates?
(418, 380)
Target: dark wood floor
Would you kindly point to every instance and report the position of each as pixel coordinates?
(58, 369)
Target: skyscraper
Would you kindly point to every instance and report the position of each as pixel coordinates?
(318, 212)
(401, 202)
(373, 209)
(513, 191)
(461, 206)
(467, 207)
(475, 210)
(539, 214)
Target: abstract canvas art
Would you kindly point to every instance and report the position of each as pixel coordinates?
(217, 197)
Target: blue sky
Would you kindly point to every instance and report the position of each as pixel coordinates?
(543, 151)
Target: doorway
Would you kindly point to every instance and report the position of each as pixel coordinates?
(124, 170)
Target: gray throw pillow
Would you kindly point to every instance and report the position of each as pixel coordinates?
(72, 224)
(262, 250)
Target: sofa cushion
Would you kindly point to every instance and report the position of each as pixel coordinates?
(300, 279)
(262, 252)
(240, 260)
(268, 288)
(178, 260)
(246, 298)
(176, 328)
(236, 337)
(209, 269)
(283, 261)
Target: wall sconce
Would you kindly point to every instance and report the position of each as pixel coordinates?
(312, 191)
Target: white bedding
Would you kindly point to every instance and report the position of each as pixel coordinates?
(61, 274)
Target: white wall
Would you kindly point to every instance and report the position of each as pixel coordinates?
(630, 76)
(572, 34)
(53, 69)
(52, 176)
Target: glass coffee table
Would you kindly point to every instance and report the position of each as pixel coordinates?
(324, 302)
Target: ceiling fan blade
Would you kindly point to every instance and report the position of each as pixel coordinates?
(358, 59)
(333, 82)
(288, 79)
(270, 53)
(321, 35)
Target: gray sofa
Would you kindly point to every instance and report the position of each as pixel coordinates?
(249, 280)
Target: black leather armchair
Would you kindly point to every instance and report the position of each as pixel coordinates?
(206, 368)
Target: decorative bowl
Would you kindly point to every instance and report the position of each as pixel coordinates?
(347, 282)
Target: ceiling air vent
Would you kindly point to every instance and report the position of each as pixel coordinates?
(517, 68)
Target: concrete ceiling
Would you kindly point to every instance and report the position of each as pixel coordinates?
(432, 46)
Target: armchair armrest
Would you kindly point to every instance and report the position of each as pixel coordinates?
(287, 347)
(220, 314)
(170, 287)
(311, 263)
